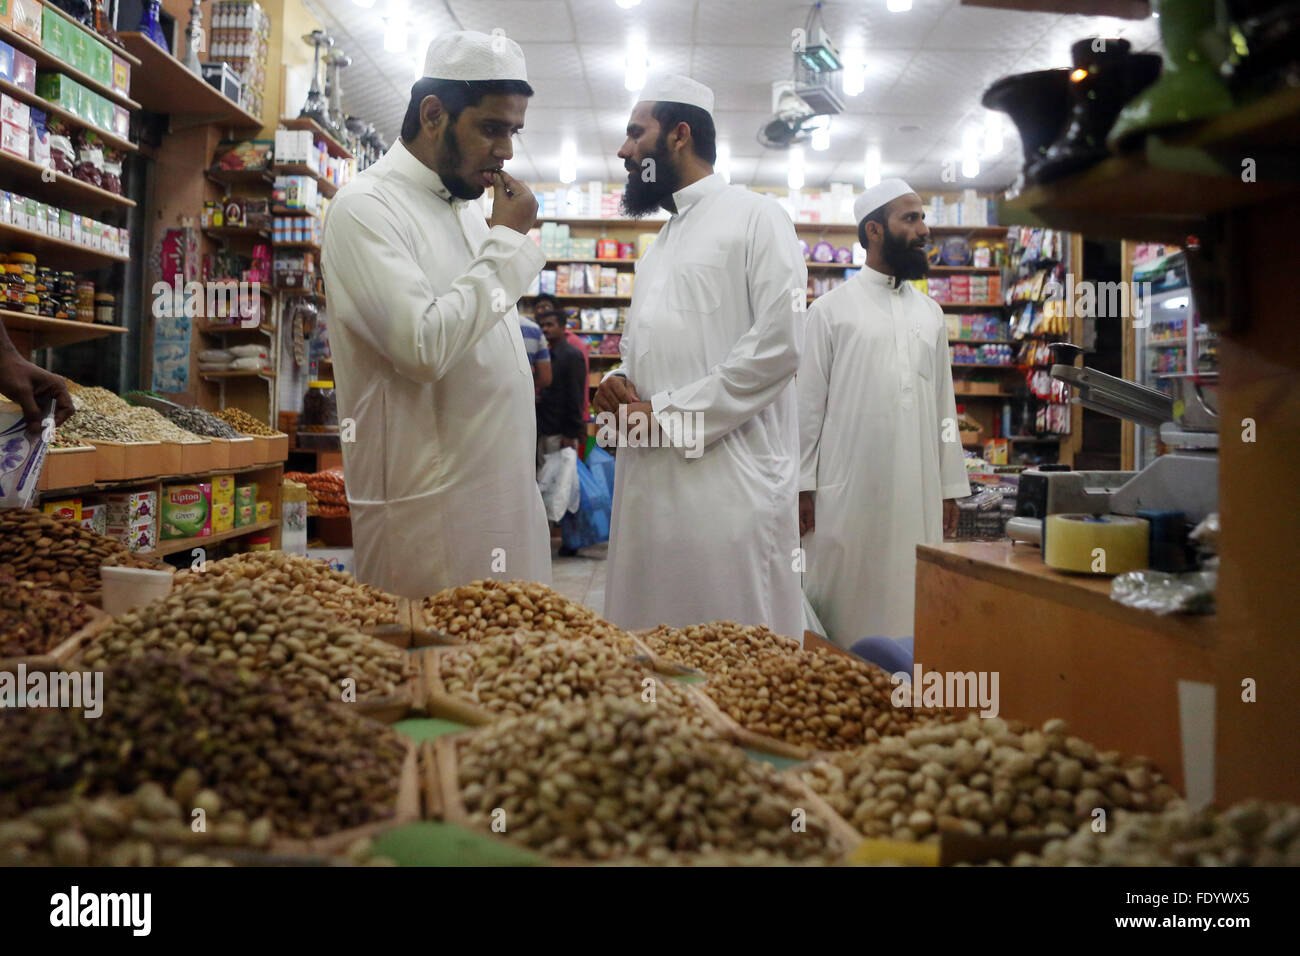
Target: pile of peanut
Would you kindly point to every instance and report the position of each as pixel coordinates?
(35, 620)
(351, 602)
(717, 646)
(484, 609)
(982, 776)
(1253, 833)
(610, 778)
(245, 423)
(290, 638)
(58, 553)
(819, 700)
(517, 673)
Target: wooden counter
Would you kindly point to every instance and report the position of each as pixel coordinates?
(1061, 646)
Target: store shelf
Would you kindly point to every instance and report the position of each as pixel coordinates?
(989, 269)
(59, 252)
(980, 231)
(211, 329)
(961, 393)
(172, 89)
(72, 119)
(51, 333)
(22, 175)
(589, 221)
(604, 262)
(45, 60)
(583, 297)
(613, 358)
(325, 187)
(236, 177)
(298, 245)
(335, 148)
(972, 305)
(957, 365)
(236, 232)
(240, 373)
(596, 332)
(981, 342)
(294, 211)
(176, 545)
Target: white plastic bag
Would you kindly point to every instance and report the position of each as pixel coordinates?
(558, 480)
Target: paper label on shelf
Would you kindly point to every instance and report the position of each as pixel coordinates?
(1196, 727)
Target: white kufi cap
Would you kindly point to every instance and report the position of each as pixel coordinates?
(469, 55)
(672, 88)
(884, 191)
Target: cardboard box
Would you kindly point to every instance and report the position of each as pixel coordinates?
(223, 517)
(121, 82)
(124, 461)
(17, 142)
(220, 453)
(245, 515)
(68, 468)
(223, 489)
(27, 18)
(241, 452)
(69, 509)
(246, 494)
(263, 511)
(130, 507)
(94, 518)
(138, 536)
(186, 511)
(277, 448)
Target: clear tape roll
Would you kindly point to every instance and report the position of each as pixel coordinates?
(1095, 544)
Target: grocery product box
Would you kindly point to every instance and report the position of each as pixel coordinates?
(14, 111)
(6, 60)
(223, 489)
(246, 494)
(24, 71)
(245, 515)
(16, 141)
(140, 535)
(26, 18)
(223, 517)
(100, 61)
(186, 511)
(130, 507)
(69, 509)
(56, 35)
(263, 511)
(996, 451)
(94, 518)
(121, 82)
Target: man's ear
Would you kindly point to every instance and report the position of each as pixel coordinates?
(431, 111)
(683, 133)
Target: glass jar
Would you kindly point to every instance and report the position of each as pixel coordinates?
(105, 308)
(32, 304)
(85, 301)
(319, 408)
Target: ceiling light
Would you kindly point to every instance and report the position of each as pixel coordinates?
(898, 6)
(795, 176)
(395, 27)
(568, 162)
(821, 133)
(634, 79)
(993, 135)
(627, 4)
(364, 4)
(871, 167)
(723, 165)
(855, 74)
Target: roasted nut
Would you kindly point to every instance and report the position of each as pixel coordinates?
(52, 552)
(34, 620)
(717, 646)
(483, 609)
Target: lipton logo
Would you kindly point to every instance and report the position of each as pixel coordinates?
(185, 497)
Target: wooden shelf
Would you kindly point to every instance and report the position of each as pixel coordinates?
(972, 305)
(65, 191)
(236, 232)
(596, 355)
(589, 221)
(335, 148)
(990, 269)
(603, 262)
(832, 265)
(211, 329)
(583, 297)
(1029, 439)
(60, 252)
(45, 60)
(72, 119)
(325, 187)
(235, 177)
(982, 342)
(297, 245)
(175, 545)
(957, 365)
(238, 373)
(172, 89)
(960, 393)
(981, 231)
(51, 333)
(294, 211)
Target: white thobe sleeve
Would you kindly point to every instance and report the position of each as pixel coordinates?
(952, 461)
(813, 385)
(399, 314)
(764, 359)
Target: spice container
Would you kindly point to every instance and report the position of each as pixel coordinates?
(319, 408)
(85, 301)
(105, 308)
(32, 304)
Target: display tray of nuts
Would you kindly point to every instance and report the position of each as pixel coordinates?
(514, 674)
(56, 553)
(985, 777)
(361, 606)
(40, 628)
(289, 637)
(717, 646)
(609, 781)
(796, 703)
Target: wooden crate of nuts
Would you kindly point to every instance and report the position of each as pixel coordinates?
(42, 629)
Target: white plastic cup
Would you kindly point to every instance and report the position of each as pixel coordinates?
(128, 588)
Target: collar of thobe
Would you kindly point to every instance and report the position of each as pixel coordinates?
(404, 162)
(890, 283)
(688, 196)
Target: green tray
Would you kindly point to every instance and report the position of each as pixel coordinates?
(433, 843)
(427, 728)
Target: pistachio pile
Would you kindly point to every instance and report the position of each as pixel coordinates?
(288, 637)
(1253, 833)
(717, 646)
(819, 700)
(488, 608)
(610, 778)
(201, 422)
(982, 776)
(516, 673)
(36, 620)
(85, 426)
(57, 553)
(245, 423)
(348, 600)
(311, 768)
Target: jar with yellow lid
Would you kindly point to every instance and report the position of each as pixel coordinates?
(32, 304)
(23, 259)
(320, 411)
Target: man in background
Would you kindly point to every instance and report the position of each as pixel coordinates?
(881, 452)
(561, 407)
(539, 357)
(546, 304)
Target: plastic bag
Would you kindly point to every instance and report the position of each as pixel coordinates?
(601, 463)
(558, 481)
(590, 523)
(1163, 593)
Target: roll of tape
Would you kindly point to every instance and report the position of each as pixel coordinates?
(1095, 544)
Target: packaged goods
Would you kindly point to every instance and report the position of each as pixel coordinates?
(244, 514)
(65, 509)
(223, 517)
(263, 512)
(186, 511)
(223, 489)
(94, 517)
(130, 507)
(34, 620)
(246, 494)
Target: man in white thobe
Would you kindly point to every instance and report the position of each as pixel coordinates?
(705, 530)
(428, 358)
(881, 452)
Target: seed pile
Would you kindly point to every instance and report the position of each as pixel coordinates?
(347, 599)
(288, 637)
(517, 673)
(95, 399)
(611, 778)
(245, 423)
(35, 620)
(86, 425)
(202, 422)
(57, 553)
(717, 646)
(814, 699)
(982, 776)
(152, 426)
(485, 609)
(312, 768)
(1253, 833)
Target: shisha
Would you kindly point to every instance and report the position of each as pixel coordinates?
(335, 61)
(194, 39)
(316, 107)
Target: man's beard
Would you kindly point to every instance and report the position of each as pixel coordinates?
(904, 261)
(456, 185)
(641, 197)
